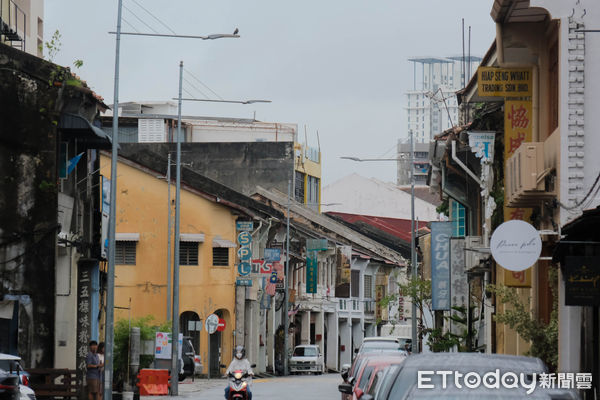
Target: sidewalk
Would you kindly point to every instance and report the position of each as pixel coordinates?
(188, 389)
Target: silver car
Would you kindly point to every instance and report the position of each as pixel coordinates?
(307, 358)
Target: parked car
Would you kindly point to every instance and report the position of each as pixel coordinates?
(12, 364)
(368, 374)
(9, 386)
(376, 344)
(384, 343)
(307, 358)
(400, 381)
(26, 393)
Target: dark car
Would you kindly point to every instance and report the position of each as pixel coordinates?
(12, 364)
(400, 382)
(190, 359)
(368, 374)
(9, 386)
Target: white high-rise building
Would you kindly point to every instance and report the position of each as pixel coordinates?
(22, 25)
(431, 105)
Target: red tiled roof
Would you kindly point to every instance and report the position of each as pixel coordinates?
(399, 228)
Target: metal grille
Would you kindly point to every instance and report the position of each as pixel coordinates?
(221, 256)
(125, 253)
(368, 286)
(188, 253)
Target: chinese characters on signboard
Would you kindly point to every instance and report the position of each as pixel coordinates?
(312, 271)
(84, 317)
(440, 265)
(517, 129)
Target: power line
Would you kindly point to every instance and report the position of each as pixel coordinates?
(192, 85)
(584, 199)
(203, 84)
(128, 23)
(155, 17)
(139, 19)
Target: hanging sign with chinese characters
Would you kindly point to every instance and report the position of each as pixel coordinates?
(84, 317)
(440, 265)
(312, 271)
(504, 82)
(517, 130)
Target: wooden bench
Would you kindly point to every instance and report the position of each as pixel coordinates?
(54, 383)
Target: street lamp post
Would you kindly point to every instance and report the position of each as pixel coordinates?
(413, 251)
(110, 269)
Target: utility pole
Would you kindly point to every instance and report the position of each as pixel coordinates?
(413, 251)
(110, 269)
(175, 334)
(169, 236)
(285, 283)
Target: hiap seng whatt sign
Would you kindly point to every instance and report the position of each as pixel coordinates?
(504, 82)
(440, 265)
(516, 245)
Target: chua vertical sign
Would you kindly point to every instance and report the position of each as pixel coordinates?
(440, 265)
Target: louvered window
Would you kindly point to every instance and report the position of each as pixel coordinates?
(221, 256)
(125, 252)
(188, 253)
(368, 286)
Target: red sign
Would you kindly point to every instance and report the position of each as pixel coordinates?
(221, 326)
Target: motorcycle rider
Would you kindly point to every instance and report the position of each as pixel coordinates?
(239, 363)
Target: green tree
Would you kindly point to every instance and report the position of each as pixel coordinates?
(148, 328)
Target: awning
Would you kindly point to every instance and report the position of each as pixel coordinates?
(218, 242)
(127, 237)
(191, 237)
(75, 126)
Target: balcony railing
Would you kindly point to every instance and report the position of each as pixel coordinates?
(13, 24)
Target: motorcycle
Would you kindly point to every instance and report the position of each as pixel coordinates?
(238, 384)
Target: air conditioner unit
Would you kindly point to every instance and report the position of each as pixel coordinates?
(473, 253)
(525, 173)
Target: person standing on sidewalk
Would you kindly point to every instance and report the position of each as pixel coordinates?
(94, 368)
(101, 357)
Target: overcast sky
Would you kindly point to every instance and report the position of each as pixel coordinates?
(338, 67)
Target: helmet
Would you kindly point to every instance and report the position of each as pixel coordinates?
(240, 352)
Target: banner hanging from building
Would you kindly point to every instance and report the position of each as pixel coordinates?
(517, 129)
(440, 265)
(504, 82)
(312, 271)
(343, 268)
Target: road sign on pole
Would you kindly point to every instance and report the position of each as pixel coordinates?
(212, 324)
(221, 326)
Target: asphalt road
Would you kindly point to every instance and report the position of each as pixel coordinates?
(297, 387)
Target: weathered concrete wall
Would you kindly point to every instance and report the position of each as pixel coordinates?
(240, 166)
(28, 199)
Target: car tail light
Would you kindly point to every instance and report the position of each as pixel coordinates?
(7, 387)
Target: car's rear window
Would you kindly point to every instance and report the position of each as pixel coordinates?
(305, 352)
(379, 346)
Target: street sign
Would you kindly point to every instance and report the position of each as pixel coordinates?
(244, 238)
(221, 326)
(244, 225)
(211, 324)
(311, 272)
(244, 268)
(272, 255)
(244, 253)
(243, 282)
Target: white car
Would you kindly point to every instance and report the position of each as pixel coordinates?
(307, 358)
(12, 364)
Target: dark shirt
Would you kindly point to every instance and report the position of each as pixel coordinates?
(92, 359)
